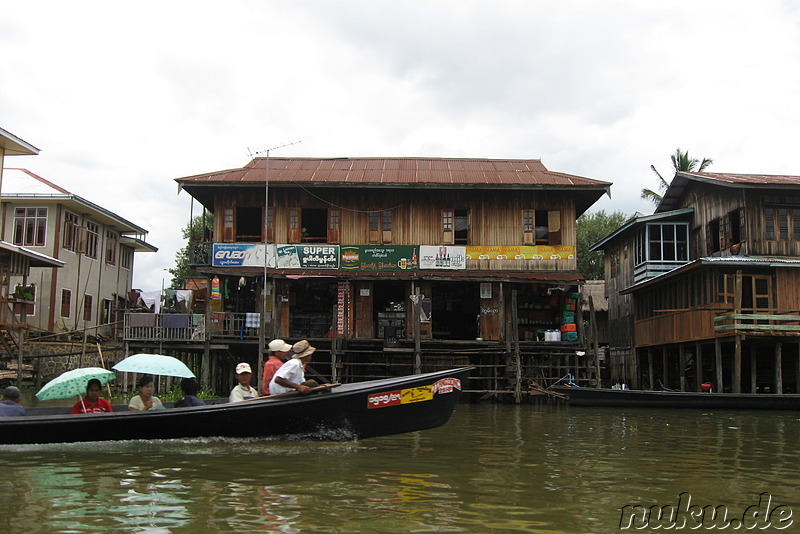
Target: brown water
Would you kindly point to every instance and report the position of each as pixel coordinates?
(492, 468)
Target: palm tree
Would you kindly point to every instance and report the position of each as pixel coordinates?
(680, 162)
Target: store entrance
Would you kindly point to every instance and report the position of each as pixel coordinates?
(389, 310)
(456, 308)
(311, 303)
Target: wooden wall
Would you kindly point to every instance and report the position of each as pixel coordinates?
(676, 327)
(495, 216)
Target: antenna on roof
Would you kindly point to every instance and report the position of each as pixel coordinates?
(266, 151)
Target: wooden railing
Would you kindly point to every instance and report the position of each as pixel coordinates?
(190, 327)
(164, 327)
(768, 322)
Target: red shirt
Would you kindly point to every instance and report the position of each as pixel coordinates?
(273, 364)
(86, 406)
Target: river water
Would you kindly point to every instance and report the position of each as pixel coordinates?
(492, 468)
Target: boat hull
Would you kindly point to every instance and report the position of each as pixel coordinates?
(350, 411)
(630, 398)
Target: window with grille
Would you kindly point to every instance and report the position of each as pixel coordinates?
(30, 226)
(92, 238)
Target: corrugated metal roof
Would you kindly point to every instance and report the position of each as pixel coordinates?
(682, 179)
(391, 171)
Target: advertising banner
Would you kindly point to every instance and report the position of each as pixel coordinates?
(308, 256)
(521, 252)
(379, 258)
(442, 257)
(242, 255)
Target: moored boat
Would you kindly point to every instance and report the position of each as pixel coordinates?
(632, 398)
(347, 412)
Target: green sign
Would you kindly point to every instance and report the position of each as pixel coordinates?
(380, 258)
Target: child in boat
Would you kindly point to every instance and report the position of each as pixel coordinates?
(92, 402)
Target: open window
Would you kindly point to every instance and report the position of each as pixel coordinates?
(314, 225)
(381, 223)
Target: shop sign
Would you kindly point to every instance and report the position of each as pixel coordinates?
(342, 291)
(522, 252)
(442, 257)
(379, 258)
(242, 255)
(308, 256)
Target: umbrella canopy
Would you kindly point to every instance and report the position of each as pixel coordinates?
(73, 383)
(154, 364)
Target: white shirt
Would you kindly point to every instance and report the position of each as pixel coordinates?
(138, 404)
(240, 393)
(292, 371)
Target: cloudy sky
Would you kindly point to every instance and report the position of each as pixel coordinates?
(124, 97)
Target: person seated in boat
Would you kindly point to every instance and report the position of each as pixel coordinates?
(243, 389)
(291, 376)
(10, 406)
(280, 349)
(92, 402)
(145, 400)
(189, 388)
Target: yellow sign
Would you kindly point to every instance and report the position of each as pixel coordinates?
(419, 394)
(521, 252)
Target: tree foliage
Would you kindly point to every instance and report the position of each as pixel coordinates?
(681, 161)
(195, 230)
(591, 228)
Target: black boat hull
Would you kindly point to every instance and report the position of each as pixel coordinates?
(630, 398)
(350, 411)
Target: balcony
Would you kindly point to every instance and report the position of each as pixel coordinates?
(190, 327)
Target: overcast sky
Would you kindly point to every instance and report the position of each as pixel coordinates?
(124, 97)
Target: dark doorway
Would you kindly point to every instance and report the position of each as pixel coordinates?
(311, 304)
(456, 307)
(248, 225)
(389, 310)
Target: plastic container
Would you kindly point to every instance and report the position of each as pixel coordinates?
(569, 327)
(569, 336)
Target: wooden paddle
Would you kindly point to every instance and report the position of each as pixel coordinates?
(318, 389)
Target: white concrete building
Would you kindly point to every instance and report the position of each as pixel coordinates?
(96, 246)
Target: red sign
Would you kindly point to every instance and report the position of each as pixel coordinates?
(389, 398)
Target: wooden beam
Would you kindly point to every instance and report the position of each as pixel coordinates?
(682, 363)
(650, 368)
(737, 365)
(778, 368)
(698, 364)
(718, 365)
(753, 369)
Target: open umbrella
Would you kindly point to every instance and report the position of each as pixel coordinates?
(154, 364)
(73, 383)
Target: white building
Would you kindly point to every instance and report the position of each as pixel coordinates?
(96, 246)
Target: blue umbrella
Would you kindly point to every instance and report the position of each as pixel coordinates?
(154, 364)
(73, 383)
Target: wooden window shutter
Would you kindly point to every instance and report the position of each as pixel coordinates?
(374, 226)
(228, 230)
(742, 226)
(295, 232)
(270, 226)
(527, 227)
(334, 232)
(386, 226)
(554, 227)
(725, 237)
(448, 234)
(709, 241)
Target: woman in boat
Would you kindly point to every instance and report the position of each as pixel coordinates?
(145, 400)
(92, 403)
(189, 389)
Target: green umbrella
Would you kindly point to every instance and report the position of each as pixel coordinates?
(73, 383)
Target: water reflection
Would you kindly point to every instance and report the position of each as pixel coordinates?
(491, 469)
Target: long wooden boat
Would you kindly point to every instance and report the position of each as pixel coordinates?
(632, 398)
(347, 412)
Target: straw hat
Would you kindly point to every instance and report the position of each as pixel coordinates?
(302, 349)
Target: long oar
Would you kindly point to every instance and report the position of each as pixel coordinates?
(103, 364)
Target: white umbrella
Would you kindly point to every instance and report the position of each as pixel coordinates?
(154, 364)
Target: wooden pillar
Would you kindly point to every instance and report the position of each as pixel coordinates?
(664, 367)
(517, 356)
(682, 363)
(797, 371)
(718, 365)
(650, 368)
(698, 365)
(595, 344)
(778, 368)
(415, 314)
(753, 369)
(737, 365)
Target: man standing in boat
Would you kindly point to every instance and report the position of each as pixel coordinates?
(279, 349)
(291, 376)
(243, 389)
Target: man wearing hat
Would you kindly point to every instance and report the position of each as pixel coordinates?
(291, 376)
(243, 390)
(10, 406)
(279, 349)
